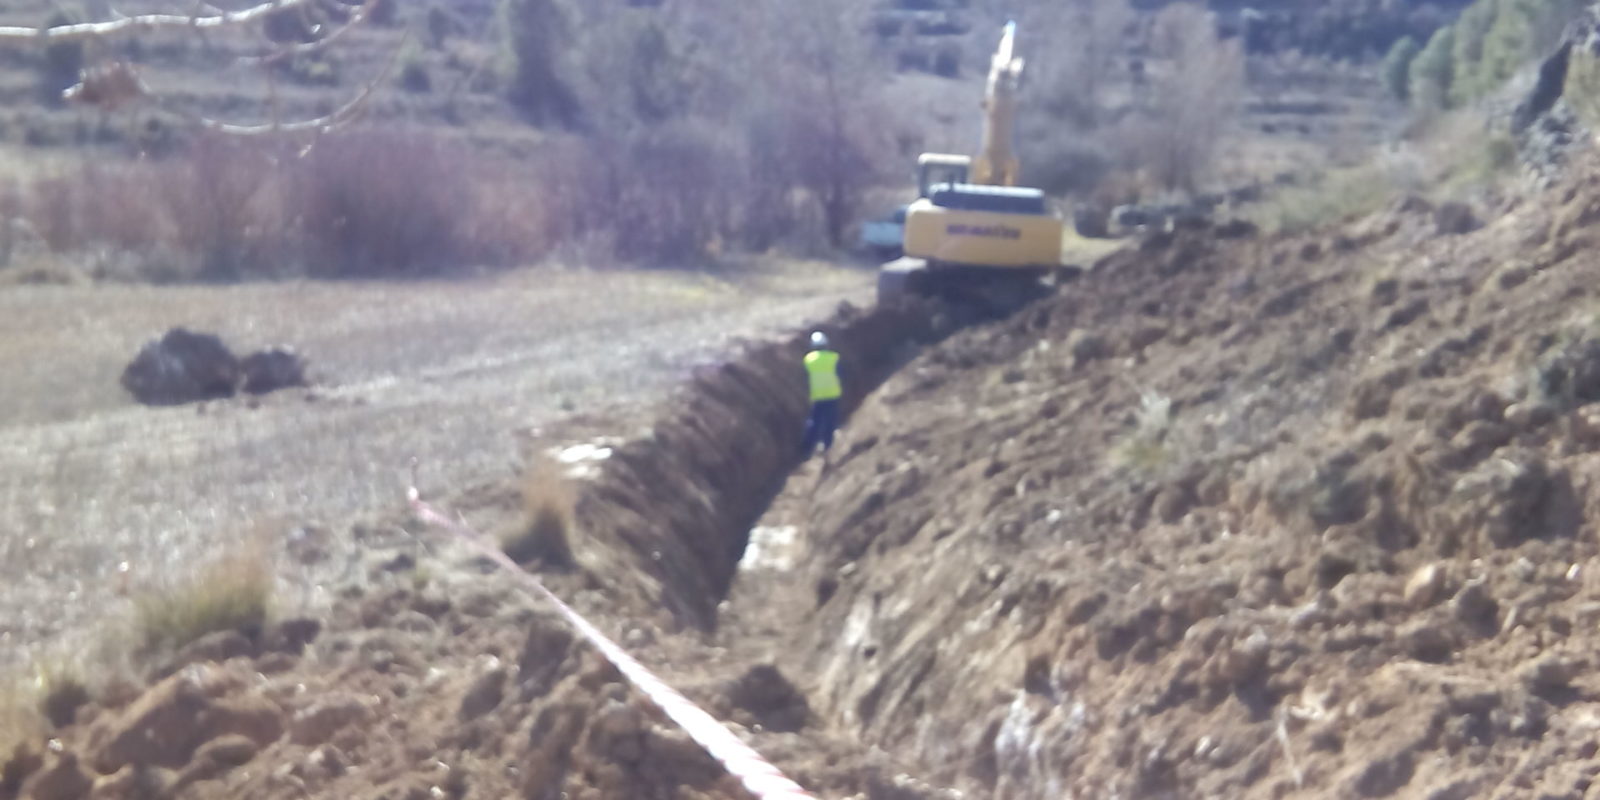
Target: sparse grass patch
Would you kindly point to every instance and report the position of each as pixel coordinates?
(61, 687)
(545, 529)
(1481, 159)
(48, 694)
(20, 718)
(1334, 197)
(1145, 448)
(232, 592)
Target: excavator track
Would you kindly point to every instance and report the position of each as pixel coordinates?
(990, 291)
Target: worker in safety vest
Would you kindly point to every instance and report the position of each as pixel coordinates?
(822, 371)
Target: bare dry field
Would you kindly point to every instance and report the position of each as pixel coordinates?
(97, 492)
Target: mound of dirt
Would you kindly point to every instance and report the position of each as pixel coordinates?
(273, 369)
(182, 367)
(1300, 517)
(187, 367)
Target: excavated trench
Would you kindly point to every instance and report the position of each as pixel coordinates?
(673, 508)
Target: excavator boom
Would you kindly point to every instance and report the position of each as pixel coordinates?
(996, 164)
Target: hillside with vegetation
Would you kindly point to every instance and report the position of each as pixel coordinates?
(550, 129)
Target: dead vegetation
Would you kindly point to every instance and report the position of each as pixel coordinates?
(546, 528)
(231, 592)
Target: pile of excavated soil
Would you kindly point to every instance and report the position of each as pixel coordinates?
(1299, 517)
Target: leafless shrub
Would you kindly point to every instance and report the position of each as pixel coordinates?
(382, 204)
(511, 218)
(1193, 99)
(1085, 37)
(98, 205)
(223, 206)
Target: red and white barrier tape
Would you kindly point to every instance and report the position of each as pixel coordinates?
(760, 777)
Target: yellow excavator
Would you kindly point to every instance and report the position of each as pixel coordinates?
(972, 233)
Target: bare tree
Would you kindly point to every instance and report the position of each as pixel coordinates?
(1193, 99)
(821, 84)
(1084, 39)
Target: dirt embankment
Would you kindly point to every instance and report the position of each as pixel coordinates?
(1299, 517)
(670, 514)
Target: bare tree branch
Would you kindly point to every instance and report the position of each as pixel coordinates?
(143, 22)
(118, 85)
(342, 116)
(289, 51)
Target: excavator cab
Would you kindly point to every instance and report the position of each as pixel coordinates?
(935, 170)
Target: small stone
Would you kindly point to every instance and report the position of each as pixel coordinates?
(318, 723)
(435, 604)
(1086, 347)
(275, 663)
(1512, 276)
(485, 694)
(1406, 314)
(1454, 218)
(414, 622)
(1479, 439)
(1426, 641)
(1425, 586)
(1385, 292)
(1473, 605)
(1247, 658)
(1529, 415)
(1146, 336)
(232, 750)
(292, 635)
(1383, 775)
(1550, 673)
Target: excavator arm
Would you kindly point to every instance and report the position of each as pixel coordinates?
(996, 163)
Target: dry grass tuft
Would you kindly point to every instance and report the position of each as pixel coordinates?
(20, 720)
(49, 694)
(549, 508)
(61, 688)
(233, 592)
(1145, 449)
(42, 271)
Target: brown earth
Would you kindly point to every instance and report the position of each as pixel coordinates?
(1293, 517)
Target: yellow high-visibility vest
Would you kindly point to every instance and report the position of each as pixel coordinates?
(822, 366)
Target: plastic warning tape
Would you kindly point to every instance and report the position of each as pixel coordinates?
(742, 762)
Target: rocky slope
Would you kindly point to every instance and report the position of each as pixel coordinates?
(1299, 517)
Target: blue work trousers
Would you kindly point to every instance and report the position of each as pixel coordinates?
(824, 420)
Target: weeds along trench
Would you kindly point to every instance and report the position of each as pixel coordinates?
(669, 515)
